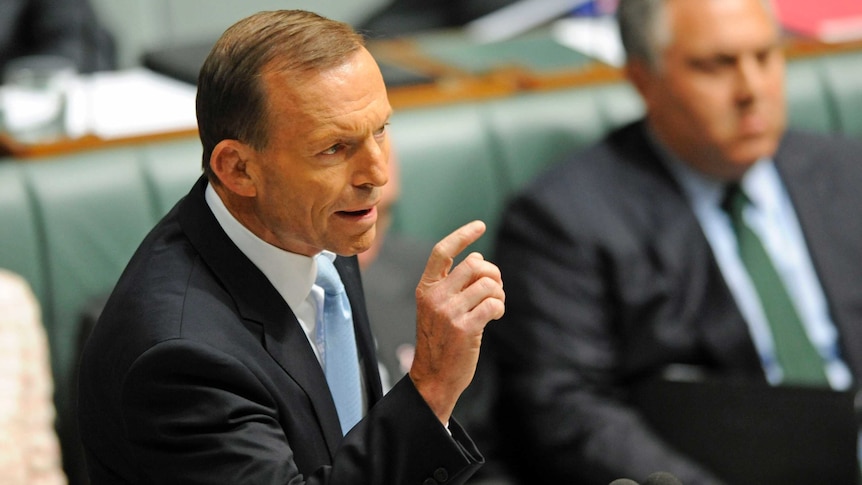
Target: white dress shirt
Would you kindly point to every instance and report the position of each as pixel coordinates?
(291, 274)
(772, 217)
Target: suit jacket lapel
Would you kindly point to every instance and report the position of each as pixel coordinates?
(348, 269)
(258, 301)
(681, 243)
(813, 189)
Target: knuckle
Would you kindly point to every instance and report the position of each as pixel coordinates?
(440, 250)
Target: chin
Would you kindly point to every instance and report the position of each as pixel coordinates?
(356, 246)
(748, 153)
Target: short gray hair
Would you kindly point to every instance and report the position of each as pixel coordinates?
(644, 29)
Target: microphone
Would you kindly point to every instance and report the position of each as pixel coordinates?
(662, 478)
(623, 481)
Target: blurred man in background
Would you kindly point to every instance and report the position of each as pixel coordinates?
(705, 234)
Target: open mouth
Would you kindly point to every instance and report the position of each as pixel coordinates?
(359, 213)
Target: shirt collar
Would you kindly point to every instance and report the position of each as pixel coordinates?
(290, 273)
(760, 182)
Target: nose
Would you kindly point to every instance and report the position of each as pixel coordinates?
(372, 161)
(750, 76)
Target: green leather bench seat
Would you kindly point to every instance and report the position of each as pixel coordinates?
(811, 108)
(448, 172)
(533, 131)
(68, 224)
(21, 248)
(462, 162)
(71, 223)
(842, 76)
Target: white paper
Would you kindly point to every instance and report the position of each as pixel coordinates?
(597, 37)
(134, 102)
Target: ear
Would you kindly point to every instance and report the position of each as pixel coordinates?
(640, 75)
(648, 82)
(229, 161)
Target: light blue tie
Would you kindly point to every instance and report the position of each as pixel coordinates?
(340, 358)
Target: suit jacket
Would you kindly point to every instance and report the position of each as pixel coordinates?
(609, 279)
(199, 372)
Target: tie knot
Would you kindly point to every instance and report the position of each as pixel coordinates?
(327, 276)
(734, 201)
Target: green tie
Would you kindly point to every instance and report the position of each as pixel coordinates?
(799, 360)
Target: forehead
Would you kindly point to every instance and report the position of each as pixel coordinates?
(346, 96)
(720, 25)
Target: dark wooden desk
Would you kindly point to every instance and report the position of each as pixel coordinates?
(11, 147)
(455, 70)
(440, 57)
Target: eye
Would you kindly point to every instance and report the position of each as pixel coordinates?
(704, 65)
(333, 149)
(381, 131)
(764, 56)
(714, 64)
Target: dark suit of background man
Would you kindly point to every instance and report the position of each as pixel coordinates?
(622, 261)
(67, 28)
(203, 367)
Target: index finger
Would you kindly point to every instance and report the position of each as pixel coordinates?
(444, 252)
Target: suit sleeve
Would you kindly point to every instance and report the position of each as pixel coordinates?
(195, 415)
(558, 350)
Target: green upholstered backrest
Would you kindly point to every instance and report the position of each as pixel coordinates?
(68, 224)
(21, 246)
(841, 75)
(808, 105)
(93, 212)
(77, 220)
(462, 162)
(448, 174)
(531, 132)
(171, 169)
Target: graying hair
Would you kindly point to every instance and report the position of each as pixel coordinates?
(231, 98)
(645, 30)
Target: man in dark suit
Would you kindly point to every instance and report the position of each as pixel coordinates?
(207, 364)
(623, 261)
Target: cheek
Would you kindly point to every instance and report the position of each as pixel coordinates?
(778, 100)
(710, 108)
(283, 203)
(710, 98)
(691, 107)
